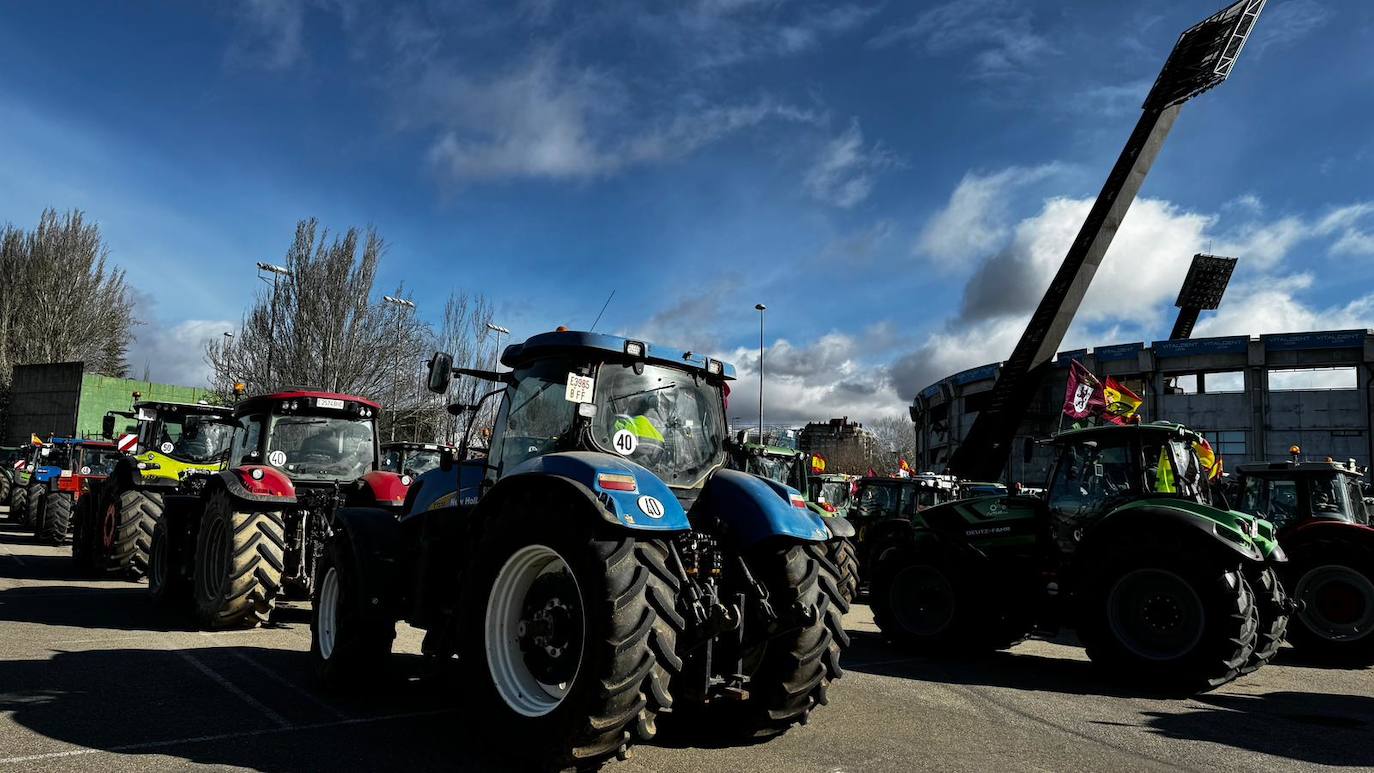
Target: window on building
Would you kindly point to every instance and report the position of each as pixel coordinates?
(1181, 384)
(1293, 379)
(1226, 381)
(1230, 444)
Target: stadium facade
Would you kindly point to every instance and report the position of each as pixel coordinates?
(1254, 397)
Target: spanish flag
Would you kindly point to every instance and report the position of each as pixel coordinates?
(817, 464)
(904, 468)
(35, 440)
(1121, 403)
(1208, 458)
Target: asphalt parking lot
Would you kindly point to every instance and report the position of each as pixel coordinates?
(92, 677)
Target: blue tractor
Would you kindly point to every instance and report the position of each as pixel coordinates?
(600, 565)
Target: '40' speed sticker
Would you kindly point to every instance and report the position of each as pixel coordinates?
(625, 442)
(651, 507)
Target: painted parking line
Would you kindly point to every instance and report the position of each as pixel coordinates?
(295, 688)
(149, 745)
(219, 679)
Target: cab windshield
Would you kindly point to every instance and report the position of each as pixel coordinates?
(836, 492)
(779, 469)
(412, 463)
(55, 456)
(669, 420)
(321, 447)
(98, 461)
(192, 438)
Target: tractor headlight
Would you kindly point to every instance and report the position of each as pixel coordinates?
(634, 348)
(257, 474)
(713, 367)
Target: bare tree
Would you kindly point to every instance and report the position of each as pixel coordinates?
(896, 440)
(464, 334)
(60, 301)
(321, 327)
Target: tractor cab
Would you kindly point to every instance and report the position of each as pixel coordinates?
(832, 491)
(879, 499)
(777, 463)
(175, 435)
(588, 392)
(316, 438)
(413, 459)
(1287, 493)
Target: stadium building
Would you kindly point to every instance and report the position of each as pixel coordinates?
(1253, 397)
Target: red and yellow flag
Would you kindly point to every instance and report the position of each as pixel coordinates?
(903, 468)
(35, 440)
(817, 464)
(1121, 403)
(1208, 458)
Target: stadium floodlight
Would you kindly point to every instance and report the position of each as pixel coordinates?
(273, 269)
(1202, 58)
(1202, 289)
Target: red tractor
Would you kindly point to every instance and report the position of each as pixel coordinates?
(83, 464)
(259, 526)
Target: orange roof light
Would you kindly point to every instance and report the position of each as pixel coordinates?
(1294, 449)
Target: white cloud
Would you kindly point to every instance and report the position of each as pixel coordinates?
(1273, 305)
(828, 378)
(270, 34)
(843, 174)
(973, 222)
(996, 36)
(1286, 22)
(175, 354)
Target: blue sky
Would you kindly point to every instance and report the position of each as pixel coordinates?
(896, 181)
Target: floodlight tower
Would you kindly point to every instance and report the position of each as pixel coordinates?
(1202, 58)
(1202, 290)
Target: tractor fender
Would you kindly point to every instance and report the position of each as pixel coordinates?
(619, 491)
(387, 489)
(272, 488)
(839, 526)
(371, 538)
(753, 508)
(1156, 517)
(1320, 529)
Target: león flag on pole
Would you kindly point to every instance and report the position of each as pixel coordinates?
(1120, 403)
(1083, 395)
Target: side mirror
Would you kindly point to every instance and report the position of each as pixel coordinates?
(440, 372)
(1028, 450)
(107, 426)
(446, 460)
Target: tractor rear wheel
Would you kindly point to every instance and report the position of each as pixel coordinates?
(239, 561)
(19, 503)
(54, 519)
(1271, 605)
(929, 602)
(1167, 615)
(6, 486)
(1334, 584)
(37, 492)
(569, 632)
(167, 584)
(127, 530)
(349, 647)
(790, 674)
(844, 559)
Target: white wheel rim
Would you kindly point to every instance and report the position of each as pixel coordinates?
(514, 682)
(329, 613)
(1315, 587)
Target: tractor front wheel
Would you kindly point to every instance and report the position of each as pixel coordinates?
(1333, 583)
(83, 534)
(928, 602)
(1272, 607)
(167, 584)
(126, 534)
(54, 518)
(1169, 616)
(19, 503)
(37, 492)
(349, 647)
(569, 633)
(239, 564)
(6, 486)
(844, 562)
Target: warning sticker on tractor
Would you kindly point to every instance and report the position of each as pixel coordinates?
(85, 470)
(624, 442)
(166, 448)
(579, 388)
(651, 507)
(277, 458)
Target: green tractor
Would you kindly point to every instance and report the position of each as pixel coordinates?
(177, 448)
(792, 467)
(1124, 548)
(9, 475)
(834, 489)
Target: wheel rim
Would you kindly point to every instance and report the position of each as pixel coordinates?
(535, 629)
(923, 600)
(1155, 614)
(109, 525)
(213, 569)
(329, 613)
(1338, 602)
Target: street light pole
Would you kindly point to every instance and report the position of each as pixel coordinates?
(761, 309)
(396, 374)
(498, 330)
(275, 271)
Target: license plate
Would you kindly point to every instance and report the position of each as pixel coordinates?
(329, 402)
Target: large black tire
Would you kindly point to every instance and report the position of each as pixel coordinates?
(1271, 609)
(37, 492)
(239, 561)
(614, 622)
(1333, 583)
(54, 519)
(1167, 614)
(19, 503)
(6, 486)
(929, 602)
(845, 559)
(790, 674)
(127, 533)
(348, 644)
(167, 584)
(83, 533)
